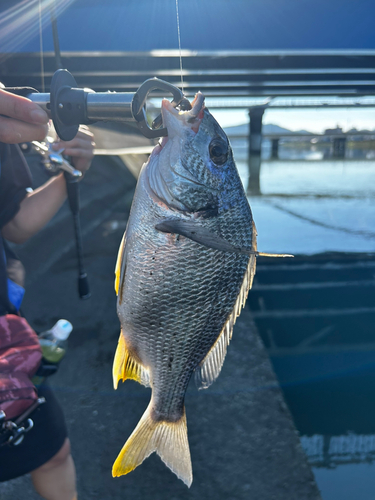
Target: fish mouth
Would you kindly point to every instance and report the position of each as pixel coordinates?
(188, 116)
(196, 111)
(193, 114)
(176, 119)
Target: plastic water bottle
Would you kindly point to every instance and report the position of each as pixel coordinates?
(53, 341)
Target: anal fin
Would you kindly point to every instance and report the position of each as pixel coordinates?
(126, 367)
(210, 368)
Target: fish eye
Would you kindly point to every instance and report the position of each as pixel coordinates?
(218, 151)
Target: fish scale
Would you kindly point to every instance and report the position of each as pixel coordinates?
(179, 293)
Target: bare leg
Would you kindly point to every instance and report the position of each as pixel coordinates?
(56, 479)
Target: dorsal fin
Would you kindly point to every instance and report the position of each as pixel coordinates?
(209, 369)
(126, 366)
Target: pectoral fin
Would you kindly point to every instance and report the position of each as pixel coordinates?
(207, 238)
(199, 234)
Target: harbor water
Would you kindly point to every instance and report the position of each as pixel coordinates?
(316, 312)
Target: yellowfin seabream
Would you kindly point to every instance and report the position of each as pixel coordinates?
(184, 268)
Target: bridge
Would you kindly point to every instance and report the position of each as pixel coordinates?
(338, 140)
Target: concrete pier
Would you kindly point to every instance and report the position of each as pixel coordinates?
(242, 438)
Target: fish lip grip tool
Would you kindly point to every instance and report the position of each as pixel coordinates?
(138, 106)
(70, 106)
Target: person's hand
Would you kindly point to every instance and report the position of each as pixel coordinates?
(20, 119)
(81, 148)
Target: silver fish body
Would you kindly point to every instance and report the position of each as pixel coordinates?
(184, 270)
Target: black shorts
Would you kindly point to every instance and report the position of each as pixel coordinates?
(40, 444)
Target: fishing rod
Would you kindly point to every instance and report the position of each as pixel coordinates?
(71, 180)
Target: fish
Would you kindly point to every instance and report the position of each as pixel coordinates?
(184, 268)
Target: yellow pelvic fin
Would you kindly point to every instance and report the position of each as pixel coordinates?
(168, 439)
(118, 264)
(125, 366)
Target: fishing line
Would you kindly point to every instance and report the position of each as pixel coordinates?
(179, 44)
(41, 46)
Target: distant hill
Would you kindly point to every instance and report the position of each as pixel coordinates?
(268, 128)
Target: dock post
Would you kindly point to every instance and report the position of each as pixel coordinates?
(339, 147)
(255, 145)
(275, 149)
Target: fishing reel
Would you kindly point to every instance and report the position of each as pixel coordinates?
(69, 106)
(54, 161)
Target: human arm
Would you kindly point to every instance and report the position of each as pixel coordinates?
(38, 207)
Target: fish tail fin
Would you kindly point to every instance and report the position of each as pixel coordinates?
(168, 439)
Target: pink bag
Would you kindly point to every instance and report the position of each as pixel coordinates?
(20, 357)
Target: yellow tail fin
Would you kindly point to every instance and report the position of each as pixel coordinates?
(168, 439)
